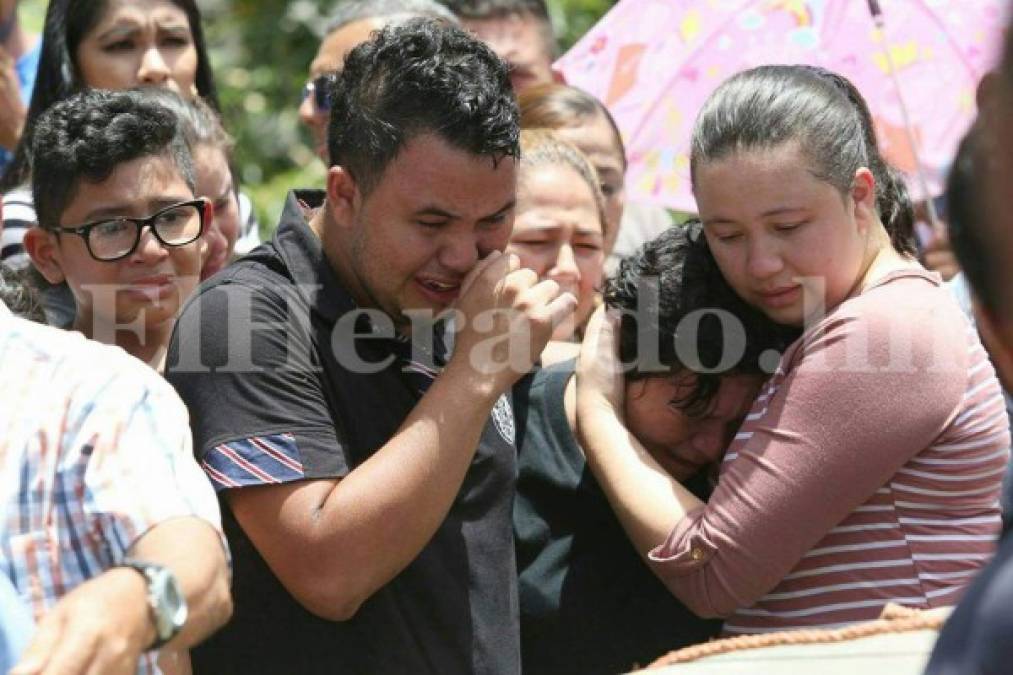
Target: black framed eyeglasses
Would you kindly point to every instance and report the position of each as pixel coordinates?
(320, 88)
(116, 238)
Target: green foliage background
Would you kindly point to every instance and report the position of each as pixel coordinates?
(261, 50)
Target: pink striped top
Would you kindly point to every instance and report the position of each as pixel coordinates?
(868, 471)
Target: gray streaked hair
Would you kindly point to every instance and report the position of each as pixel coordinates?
(392, 11)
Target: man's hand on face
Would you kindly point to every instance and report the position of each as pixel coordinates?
(12, 110)
(505, 317)
(99, 628)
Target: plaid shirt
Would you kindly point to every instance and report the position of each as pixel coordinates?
(95, 449)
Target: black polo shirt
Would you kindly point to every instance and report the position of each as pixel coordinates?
(276, 404)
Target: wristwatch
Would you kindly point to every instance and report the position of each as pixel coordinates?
(166, 602)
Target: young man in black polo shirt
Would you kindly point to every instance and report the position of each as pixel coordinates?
(369, 512)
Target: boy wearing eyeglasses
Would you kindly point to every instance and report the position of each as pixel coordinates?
(118, 220)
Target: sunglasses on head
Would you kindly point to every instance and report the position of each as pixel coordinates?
(320, 88)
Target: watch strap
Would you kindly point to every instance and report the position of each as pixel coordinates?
(165, 628)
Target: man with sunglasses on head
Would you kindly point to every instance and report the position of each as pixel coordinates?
(351, 24)
(113, 184)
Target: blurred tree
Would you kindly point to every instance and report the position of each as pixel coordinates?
(261, 50)
(31, 14)
(573, 18)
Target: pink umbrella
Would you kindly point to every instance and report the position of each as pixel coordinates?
(654, 62)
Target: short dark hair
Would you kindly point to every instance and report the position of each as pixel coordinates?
(978, 259)
(86, 136)
(820, 110)
(493, 9)
(485, 10)
(416, 78)
(350, 11)
(679, 268)
(67, 23)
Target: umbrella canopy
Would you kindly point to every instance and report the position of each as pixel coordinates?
(654, 62)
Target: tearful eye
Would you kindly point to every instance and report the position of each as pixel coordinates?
(788, 227)
(176, 41)
(112, 228)
(172, 217)
(118, 46)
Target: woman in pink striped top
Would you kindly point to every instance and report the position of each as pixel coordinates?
(869, 468)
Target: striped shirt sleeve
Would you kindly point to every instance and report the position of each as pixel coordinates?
(266, 425)
(851, 403)
(19, 216)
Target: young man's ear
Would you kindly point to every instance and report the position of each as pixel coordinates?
(343, 197)
(44, 250)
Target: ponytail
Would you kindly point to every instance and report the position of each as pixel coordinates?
(893, 202)
(895, 210)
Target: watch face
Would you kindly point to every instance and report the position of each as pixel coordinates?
(167, 601)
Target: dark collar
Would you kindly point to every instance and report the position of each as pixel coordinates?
(303, 254)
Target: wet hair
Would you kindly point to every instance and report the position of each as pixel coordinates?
(979, 261)
(421, 77)
(560, 106)
(86, 136)
(67, 24)
(19, 296)
(541, 147)
(824, 114)
(681, 272)
(351, 11)
(485, 10)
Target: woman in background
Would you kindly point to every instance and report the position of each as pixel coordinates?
(559, 227)
(581, 119)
